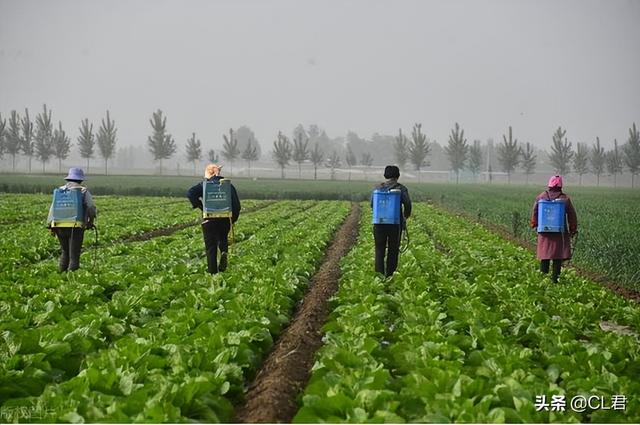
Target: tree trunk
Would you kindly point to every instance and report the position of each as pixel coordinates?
(87, 165)
(299, 171)
(249, 173)
(597, 180)
(59, 165)
(43, 163)
(315, 172)
(457, 176)
(282, 172)
(106, 172)
(14, 162)
(160, 166)
(194, 167)
(29, 165)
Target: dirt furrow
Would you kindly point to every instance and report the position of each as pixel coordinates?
(272, 396)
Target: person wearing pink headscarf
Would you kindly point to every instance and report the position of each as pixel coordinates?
(555, 246)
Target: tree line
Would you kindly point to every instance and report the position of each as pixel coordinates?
(39, 139)
(511, 154)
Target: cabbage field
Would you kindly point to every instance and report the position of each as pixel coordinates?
(467, 329)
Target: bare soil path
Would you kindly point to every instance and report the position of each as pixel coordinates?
(271, 398)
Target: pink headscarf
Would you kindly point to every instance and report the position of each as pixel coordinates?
(555, 181)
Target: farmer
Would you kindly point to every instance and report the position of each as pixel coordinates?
(387, 236)
(71, 212)
(555, 244)
(216, 226)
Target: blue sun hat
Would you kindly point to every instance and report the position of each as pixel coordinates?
(75, 174)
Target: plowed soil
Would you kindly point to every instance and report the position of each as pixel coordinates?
(272, 396)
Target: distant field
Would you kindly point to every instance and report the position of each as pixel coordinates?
(608, 242)
(177, 186)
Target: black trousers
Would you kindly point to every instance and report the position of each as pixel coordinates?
(216, 236)
(387, 238)
(557, 266)
(70, 239)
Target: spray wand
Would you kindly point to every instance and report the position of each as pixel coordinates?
(404, 243)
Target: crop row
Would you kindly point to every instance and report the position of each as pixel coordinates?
(468, 330)
(608, 242)
(43, 307)
(191, 359)
(27, 243)
(34, 208)
(119, 268)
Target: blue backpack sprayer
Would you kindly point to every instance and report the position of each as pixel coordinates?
(67, 211)
(552, 217)
(216, 201)
(386, 210)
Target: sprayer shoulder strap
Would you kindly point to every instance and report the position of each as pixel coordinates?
(396, 185)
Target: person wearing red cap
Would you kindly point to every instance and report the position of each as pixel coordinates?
(555, 245)
(71, 212)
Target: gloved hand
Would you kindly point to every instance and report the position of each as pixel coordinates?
(90, 225)
(53, 232)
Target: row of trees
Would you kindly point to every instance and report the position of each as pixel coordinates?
(299, 152)
(163, 146)
(39, 139)
(309, 146)
(511, 154)
(17, 136)
(285, 150)
(595, 159)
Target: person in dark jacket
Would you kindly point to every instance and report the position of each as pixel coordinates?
(387, 236)
(70, 233)
(555, 246)
(215, 230)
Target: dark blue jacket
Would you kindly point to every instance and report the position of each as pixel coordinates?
(195, 196)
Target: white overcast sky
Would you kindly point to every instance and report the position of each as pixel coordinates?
(366, 66)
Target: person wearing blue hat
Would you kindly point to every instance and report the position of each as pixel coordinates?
(72, 211)
(389, 219)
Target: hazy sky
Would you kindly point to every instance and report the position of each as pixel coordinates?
(367, 66)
